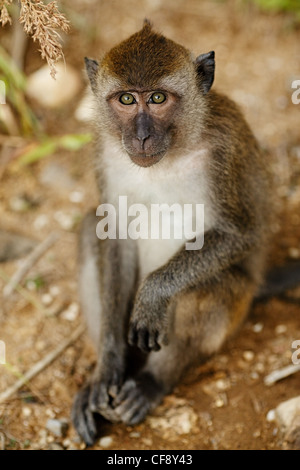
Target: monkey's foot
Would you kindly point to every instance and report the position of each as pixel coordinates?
(137, 397)
(84, 417)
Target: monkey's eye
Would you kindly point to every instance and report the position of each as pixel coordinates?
(157, 98)
(127, 98)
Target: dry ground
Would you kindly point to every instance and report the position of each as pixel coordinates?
(225, 401)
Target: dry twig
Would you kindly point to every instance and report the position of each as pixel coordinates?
(41, 365)
(27, 264)
(280, 374)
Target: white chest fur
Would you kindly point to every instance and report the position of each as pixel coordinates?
(181, 181)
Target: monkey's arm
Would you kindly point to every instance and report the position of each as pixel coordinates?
(187, 269)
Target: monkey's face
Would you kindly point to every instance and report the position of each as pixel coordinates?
(145, 120)
(148, 90)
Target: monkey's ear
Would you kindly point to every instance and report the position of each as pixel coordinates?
(205, 66)
(92, 68)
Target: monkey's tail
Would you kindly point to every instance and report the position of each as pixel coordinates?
(279, 280)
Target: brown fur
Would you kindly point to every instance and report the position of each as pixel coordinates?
(144, 58)
(186, 308)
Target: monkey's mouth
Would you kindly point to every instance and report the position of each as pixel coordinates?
(146, 160)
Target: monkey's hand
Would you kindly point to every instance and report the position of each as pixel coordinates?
(149, 323)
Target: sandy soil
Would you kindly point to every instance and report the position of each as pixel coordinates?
(224, 403)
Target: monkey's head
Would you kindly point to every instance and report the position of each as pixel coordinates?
(145, 88)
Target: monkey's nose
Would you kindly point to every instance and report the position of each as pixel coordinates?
(142, 139)
(140, 142)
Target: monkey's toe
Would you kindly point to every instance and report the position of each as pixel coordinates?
(136, 398)
(82, 418)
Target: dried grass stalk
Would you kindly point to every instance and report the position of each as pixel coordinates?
(4, 15)
(42, 23)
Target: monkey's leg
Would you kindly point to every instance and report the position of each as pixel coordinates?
(106, 285)
(203, 321)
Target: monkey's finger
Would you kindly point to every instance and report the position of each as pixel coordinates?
(133, 410)
(154, 342)
(99, 397)
(83, 418)
(122, 395)
(116, 382)
(143, 340)
(132, 335)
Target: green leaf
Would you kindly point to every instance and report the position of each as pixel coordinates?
(40, 151)
(74, 141)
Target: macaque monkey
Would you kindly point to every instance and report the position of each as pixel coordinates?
(164, 137)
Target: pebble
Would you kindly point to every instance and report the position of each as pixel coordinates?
(294, 253)
(57, 93)
(280, 329)
(248, 356)
(76, 197)
(26, 411)
(71, 313)
(55, 446)
(135, 435)
(258, 327)
(66, 221)
(19, 204)
(106, 442)
(178, 421)
(41, 222)
(47, 299)
(287, 411)
(271, 416)
(58, 427)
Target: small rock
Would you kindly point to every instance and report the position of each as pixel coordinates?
(47, 299)
(248, 356)
(19, 204)
(287, 411)
(106, 442)
(71, 313)
(76, 197)
(54, 291)
(258, 327)
(178, 421)
(66, 221)
(58, 427)
(55, 446)
(292, 436)
(26, 411)
(59, 91)
(135, 435)
(280, 329)
(271, 416)
(294, 253)
(41, 222)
